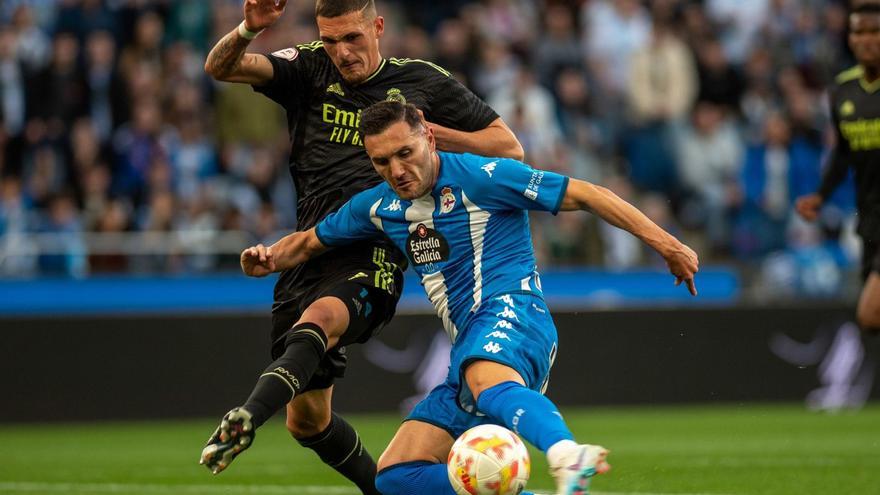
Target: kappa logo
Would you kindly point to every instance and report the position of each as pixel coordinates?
(498, 335)
(503, 324)
(336, 88)
(489, 168)
(289, 54)
(447, 200)
(508, 313)
(394, 206)
(506, 299)
(493, 347)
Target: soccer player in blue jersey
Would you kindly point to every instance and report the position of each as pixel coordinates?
(462, 221)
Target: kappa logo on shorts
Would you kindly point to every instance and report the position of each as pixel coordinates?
(506, 299)
(504, 324)
(508, 313)
(498, 335)
(493, 347)
(287, 54)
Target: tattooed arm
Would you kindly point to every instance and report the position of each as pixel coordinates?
(228, 60)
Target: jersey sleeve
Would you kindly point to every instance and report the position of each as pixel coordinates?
(838, 162)
(511, 184)
(452, 105)
(293, 70)
(352, 222)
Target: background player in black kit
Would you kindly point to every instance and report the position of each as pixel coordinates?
(345, 295)
(855, 110)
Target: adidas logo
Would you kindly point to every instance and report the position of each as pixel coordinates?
(336, 88)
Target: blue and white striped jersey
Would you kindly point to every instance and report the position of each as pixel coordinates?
(468, 239)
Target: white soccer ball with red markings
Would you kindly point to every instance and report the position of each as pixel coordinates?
(488, 460)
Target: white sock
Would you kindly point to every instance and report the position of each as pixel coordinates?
(559, 450)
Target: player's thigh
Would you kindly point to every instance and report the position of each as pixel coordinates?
(331, 314)
(309, 412)
(868, 311)
(417, 441)
(481, 375)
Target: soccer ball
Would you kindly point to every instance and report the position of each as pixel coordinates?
(488, 460)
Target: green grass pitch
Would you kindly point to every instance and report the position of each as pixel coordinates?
(778, 450)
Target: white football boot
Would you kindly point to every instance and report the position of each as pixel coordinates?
(575, 468)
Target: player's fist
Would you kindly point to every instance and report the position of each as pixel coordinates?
(257, 261)
(808, 206)
(260, 14)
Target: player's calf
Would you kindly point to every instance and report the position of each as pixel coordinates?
(234, 435)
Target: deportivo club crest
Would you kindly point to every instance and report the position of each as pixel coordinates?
(447, 200)
(394, 94)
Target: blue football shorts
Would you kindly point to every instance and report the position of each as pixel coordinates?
(512, 329)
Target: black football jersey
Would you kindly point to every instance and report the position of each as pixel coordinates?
(327, 158)
(855, 111)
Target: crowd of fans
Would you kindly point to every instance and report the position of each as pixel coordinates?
(708, 115)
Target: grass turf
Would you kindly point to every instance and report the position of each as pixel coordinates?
(776, 450)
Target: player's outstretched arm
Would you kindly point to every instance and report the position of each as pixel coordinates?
(290, 251)
(228, 61)
(495, 140)
(682, 260)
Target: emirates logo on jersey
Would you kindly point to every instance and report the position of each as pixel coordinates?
(426, 245)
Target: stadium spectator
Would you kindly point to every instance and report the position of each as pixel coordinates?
(63, 61)
(776, 171)
(710, 159)
(661, 92)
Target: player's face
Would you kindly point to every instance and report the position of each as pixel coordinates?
(404, 158)
(864, 38)
(352, 43)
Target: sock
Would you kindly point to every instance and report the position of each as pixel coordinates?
(305, 346)
(340, 447)
(526, 412)
(416, 478)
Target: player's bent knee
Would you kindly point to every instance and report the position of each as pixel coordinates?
(301, 428)
(401, 479)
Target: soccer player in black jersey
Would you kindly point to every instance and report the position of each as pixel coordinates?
(855, 110)
(344, 296)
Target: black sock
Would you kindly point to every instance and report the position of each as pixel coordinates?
(340, 447)
(304, 348)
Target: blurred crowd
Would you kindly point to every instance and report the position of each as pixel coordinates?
(708, 115)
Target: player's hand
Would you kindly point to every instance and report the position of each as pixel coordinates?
(257, 261)
(260, 14)
(684, 264)
(808, 206)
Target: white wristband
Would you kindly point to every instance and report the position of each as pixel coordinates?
(245, 33)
